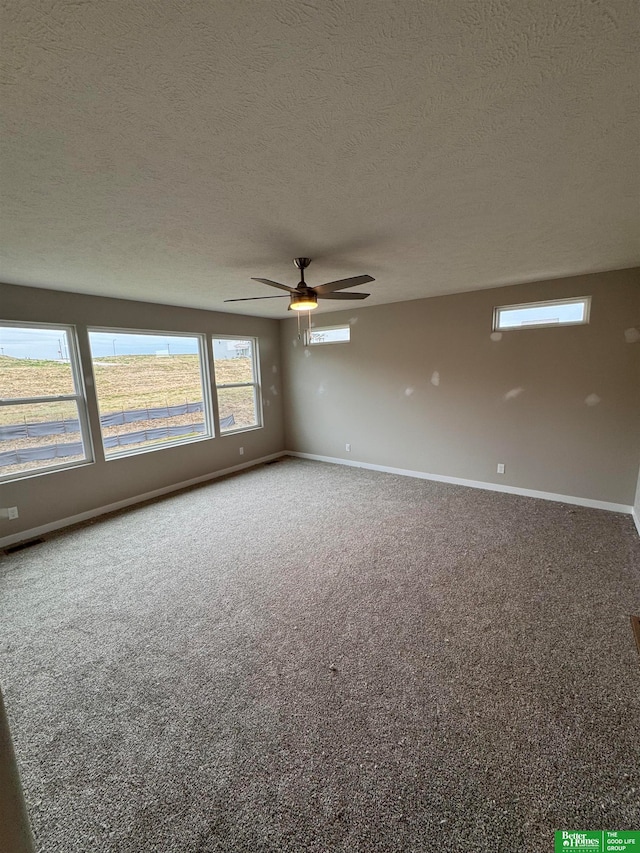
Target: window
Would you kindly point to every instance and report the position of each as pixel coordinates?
(151, 389)
(328, 335)
(236, 369)
(43, 419)
(556, 312)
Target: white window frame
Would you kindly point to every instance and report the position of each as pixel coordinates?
(205, 382)
(524, 305)
(79, 398)
(257, 394)
(309, 332)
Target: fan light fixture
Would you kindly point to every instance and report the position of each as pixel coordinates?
(303, 302)
(305, 298)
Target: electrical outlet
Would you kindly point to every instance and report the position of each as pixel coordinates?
(347, 447)
(500, 467)
(242, 451)
(12, 512)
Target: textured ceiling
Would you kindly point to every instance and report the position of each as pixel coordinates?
(167, 151)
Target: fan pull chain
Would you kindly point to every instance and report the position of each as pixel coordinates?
(298, 315)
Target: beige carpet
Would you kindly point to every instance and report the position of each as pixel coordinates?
(306, 657)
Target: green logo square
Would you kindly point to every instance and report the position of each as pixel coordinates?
(597, 841)
(579, 839)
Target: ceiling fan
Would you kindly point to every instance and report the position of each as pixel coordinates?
(305, 298)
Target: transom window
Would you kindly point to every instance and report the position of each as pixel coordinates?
(237, 384)
(152, 389)
(328, 335)
(43, 418)
(555, 312)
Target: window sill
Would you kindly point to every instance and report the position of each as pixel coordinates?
(125, 454)
(40, 472)
(241, 429)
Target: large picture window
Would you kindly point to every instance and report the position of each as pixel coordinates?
(151, 389)
(238, 389)
(43, 421)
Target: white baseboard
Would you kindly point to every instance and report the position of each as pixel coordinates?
(473, 484)
(24, 535)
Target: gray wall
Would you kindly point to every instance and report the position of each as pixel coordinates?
(547, 435)
(521, 400)
(49, 497)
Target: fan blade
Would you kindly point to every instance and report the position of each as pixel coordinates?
(343, 295)
(251, 298)
(330, 286)
(274, 284)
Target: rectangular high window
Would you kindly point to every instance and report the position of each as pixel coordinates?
(152, 389)
(328, 335)
(555, 312)
(237, 384)
(43, 415)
